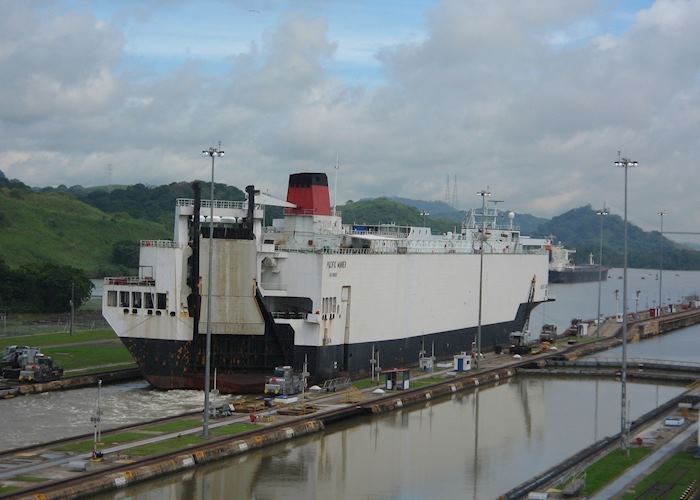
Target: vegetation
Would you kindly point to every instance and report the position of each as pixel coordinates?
(364, 383)
(82, 351)
(386, 211)
(94, 355)
(422, 382)
(45, 287)
(29, 479)
(59, 339)
(148, 203)
(580, 229)
(165, 446)
(175, 426)
(610, 467)
(671, 479)
(107, 441)
(97, 229)
(56, 228)
(230, 430)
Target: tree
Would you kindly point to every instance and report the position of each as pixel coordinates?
(47, 288)
(126, 253)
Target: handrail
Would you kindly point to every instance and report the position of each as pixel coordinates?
(130, 281)
(239, 205)
(161, 244)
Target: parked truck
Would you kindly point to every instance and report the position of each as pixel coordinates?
(28, 364)
(284, 382)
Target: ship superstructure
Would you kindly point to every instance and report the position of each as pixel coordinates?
(310, 287)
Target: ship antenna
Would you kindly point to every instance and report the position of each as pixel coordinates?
(335, 184)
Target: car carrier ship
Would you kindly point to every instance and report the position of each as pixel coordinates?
(309, 287)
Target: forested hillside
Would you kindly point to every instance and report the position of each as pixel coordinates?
(580, 229)
(57, 228)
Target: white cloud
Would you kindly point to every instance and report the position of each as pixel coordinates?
(483, 95)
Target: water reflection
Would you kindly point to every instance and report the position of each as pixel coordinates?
(475, 445)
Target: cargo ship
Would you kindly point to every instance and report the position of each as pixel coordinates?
(308, 287)
(563, 270)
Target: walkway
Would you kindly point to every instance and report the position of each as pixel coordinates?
(622, 483)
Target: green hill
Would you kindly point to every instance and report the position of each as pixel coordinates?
(580, 229)
(55, 227)
(154, 203)
(384, 210)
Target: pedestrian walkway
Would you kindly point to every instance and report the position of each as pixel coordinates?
(623, 482)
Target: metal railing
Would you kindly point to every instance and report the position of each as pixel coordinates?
(130, 281)
(161, 243)
(238, 205)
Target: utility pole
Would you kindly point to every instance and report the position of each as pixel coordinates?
(626, 164)
(483, 193)
(661, 256)
(212, 152)
(72, 307)
(602, 213)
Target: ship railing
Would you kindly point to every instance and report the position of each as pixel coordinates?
(239, 205)
(410, 250)
(130, 281)
(281, 248)
(288, 315)
(161, 243)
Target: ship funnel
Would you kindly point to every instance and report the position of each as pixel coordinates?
(309, 192)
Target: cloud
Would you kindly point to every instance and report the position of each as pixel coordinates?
(531, 98)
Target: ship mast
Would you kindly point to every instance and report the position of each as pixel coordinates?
(335, 183)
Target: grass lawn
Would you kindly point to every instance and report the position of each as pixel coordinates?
(364, 383)
(107, 441)
(165, 446)
(610, 467)
(6, 490)
(230, 430)
(29, 479)
(178, 425)
(422, 382)
(676, 474)
(84, 356)
(50, 339)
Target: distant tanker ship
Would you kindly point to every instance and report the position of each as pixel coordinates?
(563, 270)
(309, 287)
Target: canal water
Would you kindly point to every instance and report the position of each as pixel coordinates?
(580, 300)
(38, 418)
(473, 445)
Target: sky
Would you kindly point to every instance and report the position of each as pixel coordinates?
(532, 99)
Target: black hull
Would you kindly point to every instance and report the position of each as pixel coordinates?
(578, 275)
(242, 363)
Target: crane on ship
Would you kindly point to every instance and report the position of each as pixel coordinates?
(519, 340)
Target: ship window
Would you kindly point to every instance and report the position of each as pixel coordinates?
(162, 300)
(123, 299)
(112, 298)
(136, 300)
(148, 300)
(333, 302)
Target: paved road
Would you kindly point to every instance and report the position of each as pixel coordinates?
(623, 482)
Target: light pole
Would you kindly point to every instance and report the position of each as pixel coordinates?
(636, 303)
(602, 213)
(212, 152)
(626, 164)
(661, 255)
(424, 214)
(483, 193)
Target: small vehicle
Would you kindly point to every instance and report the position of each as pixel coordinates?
(284, 382)
(28, 364)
